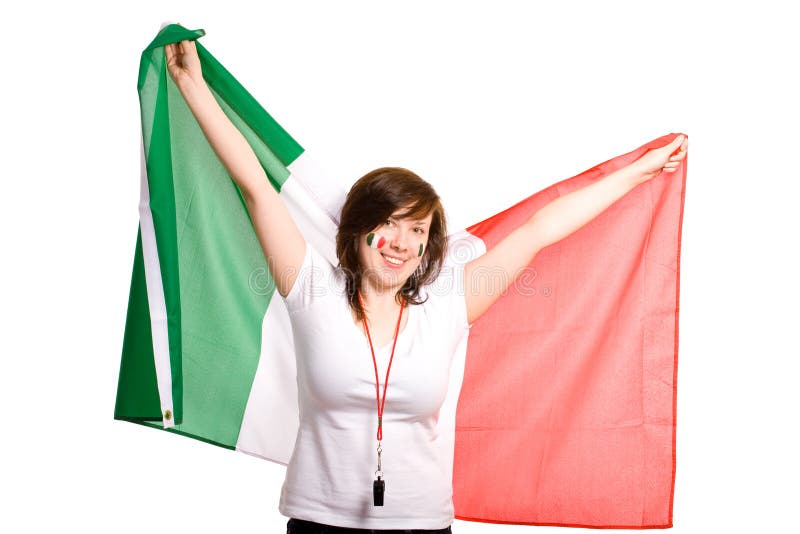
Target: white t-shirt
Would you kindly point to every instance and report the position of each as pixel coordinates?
(330, 474)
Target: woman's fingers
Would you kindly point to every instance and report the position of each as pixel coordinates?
(182, 59)
(677, 141)
(173, 52)
(674, 161)
(679, 155)
(682, 154)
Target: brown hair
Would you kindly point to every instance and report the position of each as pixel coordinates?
(373, 199)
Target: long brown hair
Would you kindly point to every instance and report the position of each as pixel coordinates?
(373, 199)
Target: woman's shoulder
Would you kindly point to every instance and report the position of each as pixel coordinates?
(446, 293)
(445, 302)
(317, 280)
(449, 280)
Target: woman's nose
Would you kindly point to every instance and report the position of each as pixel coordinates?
(400, 240)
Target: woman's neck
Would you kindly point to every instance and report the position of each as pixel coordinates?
(378, 300)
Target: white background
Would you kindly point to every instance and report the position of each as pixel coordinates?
(490, 102)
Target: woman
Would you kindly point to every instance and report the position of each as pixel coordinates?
(380, 302)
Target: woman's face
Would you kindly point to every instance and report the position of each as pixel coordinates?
(405, 240)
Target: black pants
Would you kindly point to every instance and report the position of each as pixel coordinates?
(301, 526)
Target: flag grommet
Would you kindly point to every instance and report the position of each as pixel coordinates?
(167, 414)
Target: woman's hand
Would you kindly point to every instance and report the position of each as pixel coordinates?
(183, 64)
(661, 159)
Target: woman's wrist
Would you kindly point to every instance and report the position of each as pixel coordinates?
(193, 89)
(637, 174)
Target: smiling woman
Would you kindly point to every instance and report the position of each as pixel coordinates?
(388, 217)
(445, 444)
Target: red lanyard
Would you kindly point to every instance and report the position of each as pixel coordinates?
(379, 485)
(380, 402)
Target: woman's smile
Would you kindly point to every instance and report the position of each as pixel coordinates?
(393, 261)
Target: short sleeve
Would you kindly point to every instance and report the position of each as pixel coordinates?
(447, 299)
(459, 298)
(315, 281)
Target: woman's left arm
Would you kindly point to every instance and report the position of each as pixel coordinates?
(488, 276)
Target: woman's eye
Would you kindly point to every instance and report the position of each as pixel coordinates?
(421, 231)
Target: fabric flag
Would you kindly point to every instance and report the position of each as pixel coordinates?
(561, 403)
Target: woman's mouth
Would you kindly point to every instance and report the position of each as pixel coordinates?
(393, 262)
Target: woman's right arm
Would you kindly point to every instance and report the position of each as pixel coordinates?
(281, 241)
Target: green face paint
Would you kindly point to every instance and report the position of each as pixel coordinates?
(420, 250)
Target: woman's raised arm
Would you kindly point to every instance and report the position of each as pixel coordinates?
(488, 276)
(281, 240)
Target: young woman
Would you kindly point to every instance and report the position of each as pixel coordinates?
(380, 302)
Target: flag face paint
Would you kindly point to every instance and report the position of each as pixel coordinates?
(375, 241)
(603, 305)
(420, 250)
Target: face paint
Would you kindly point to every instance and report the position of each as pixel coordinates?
(375, 241)
(420, 250)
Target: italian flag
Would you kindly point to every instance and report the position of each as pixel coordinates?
(561, 402)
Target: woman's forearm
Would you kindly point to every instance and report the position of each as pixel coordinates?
(225, 139)
(569, 212)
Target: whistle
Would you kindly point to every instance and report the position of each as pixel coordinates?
(378, 488)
